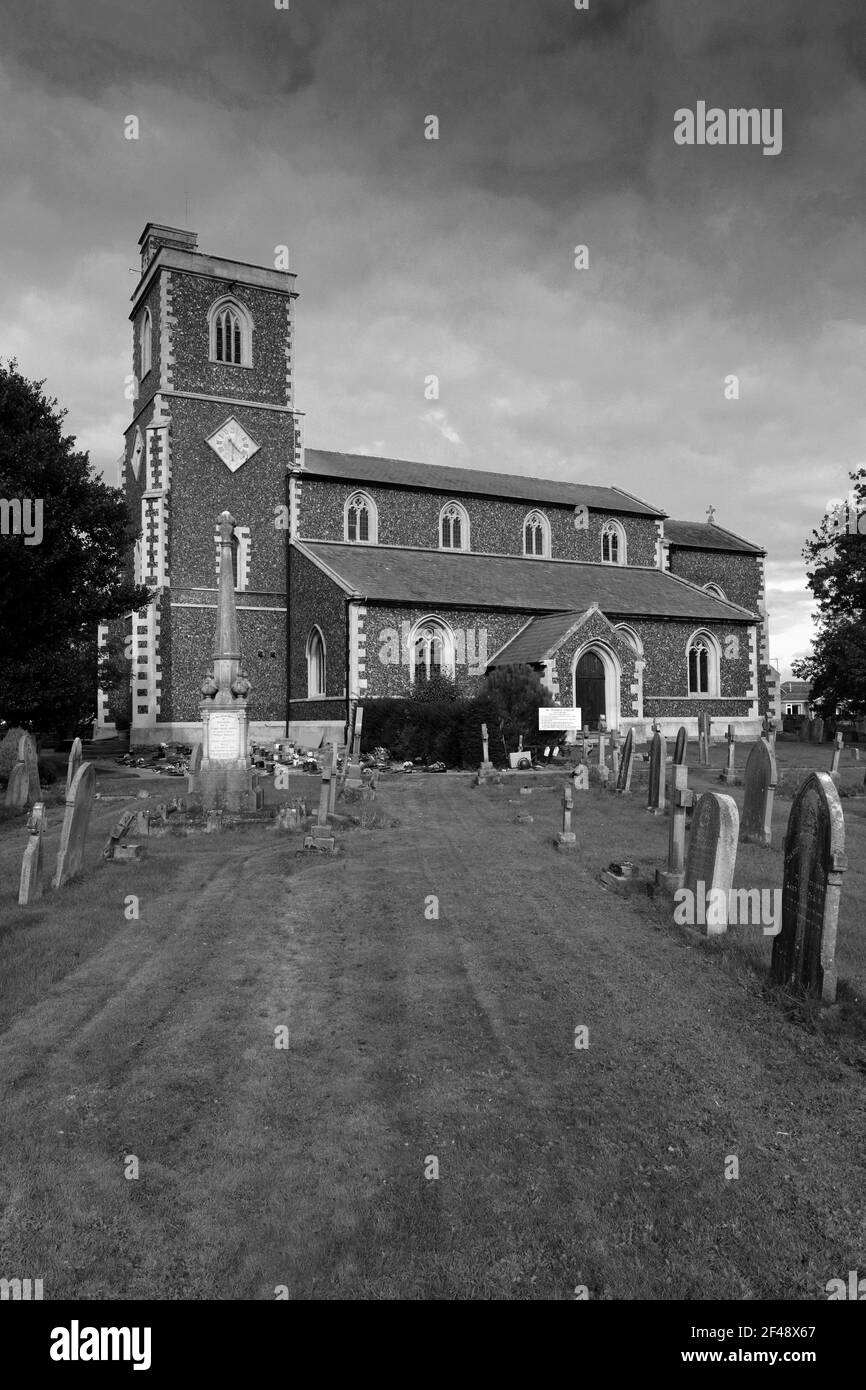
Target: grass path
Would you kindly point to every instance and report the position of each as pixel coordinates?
(412, 1038)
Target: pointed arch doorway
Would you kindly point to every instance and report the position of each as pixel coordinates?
(596, 687)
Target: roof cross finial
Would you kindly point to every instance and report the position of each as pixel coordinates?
(711, 511)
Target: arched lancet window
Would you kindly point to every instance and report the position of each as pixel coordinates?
(146, 343)
(360, 519)
(536, 535)
(703, 663)
(230, 328)
(315, 663)
(431, 651)
(613, 544)
(453, 527)
(629, 635)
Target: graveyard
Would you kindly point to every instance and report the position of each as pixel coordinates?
(438, 1058)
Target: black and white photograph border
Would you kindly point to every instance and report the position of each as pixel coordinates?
(433, 692)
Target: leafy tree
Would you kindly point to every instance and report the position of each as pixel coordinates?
(836, 556)
(516, 694)
(75, 574)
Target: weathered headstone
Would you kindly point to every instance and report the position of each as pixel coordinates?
(27, 756)
(623, 781)
(76, 818)
(838, 745)
(485, 743)
(815, 860)
(658, 760)
(681, 747)
(681, 799)
(117, 833)
(320, 835)
(712, 855)
(602, 750)
(614, 756)
(805, 728)
(818, 730)
(566, 839)
(74, 763)
(17, 788)
(194, 765)
(142, 822)
(760, 787)
(30, 883)
(730, 771)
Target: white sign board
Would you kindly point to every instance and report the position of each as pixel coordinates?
(224, 738)
(557, 717)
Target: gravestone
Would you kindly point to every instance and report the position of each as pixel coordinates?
(760, 786)
(194, 766)
(566, 839)
(769, 730)
(704, 739)
(602, 750)
(818, 730)
(623, 781)
(681, 747)
(838, 745)
(681, 799)
(804, 950)
(27, 756)
(76, 818)
(332, 783)
(119, 830)
(730, 771)
(30, 883)
(17, 788)
(711, 859)
(74, 763)
(614, 757)
(142, 822)
(320, 835)
(658, 761)
(352, 778)
(485, 746)
(805, 728)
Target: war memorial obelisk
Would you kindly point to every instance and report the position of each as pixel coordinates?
(225, 779)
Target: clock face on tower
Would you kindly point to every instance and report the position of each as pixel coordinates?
(232, 444)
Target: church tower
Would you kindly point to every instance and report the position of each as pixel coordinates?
(213, 429)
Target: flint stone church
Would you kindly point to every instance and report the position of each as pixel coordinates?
(359, 577)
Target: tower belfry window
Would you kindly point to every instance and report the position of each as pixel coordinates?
(230, 334)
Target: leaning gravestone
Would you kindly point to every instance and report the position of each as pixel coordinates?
(658, 760)
(30, 884)
(761, 778)
(79, 804)
(75, 757)
(623, 781)
(711, 859)
(681, 747)
(815, 860)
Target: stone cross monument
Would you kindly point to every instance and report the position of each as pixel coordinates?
(225, 779)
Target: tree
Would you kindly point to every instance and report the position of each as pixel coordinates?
(517, 695)
(836, 555)
(64, 562)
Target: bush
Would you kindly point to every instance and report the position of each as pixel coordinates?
(9, 752)
(447, 730)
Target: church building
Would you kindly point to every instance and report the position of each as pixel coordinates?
(359, 577)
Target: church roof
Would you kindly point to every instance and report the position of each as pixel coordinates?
(401, 574)
(363, 468)
(705, 535)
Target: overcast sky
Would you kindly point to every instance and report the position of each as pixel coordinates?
(306, 126)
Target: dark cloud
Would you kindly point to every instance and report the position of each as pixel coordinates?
(306, 127)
